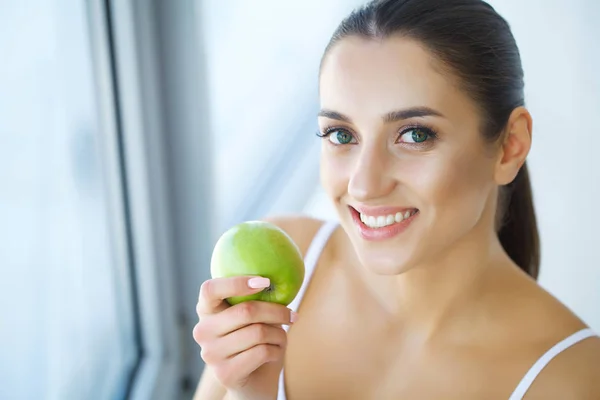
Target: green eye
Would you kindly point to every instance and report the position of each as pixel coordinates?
(419, 136)
(415, 135)
(340, 137)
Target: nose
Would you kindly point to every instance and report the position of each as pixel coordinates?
(372, 178)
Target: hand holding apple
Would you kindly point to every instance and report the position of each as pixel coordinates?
(257, 270)
(258, 248)
(244, 344)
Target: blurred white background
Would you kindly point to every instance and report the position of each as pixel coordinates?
(133, 133)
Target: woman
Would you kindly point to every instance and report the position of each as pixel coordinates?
(427, 288)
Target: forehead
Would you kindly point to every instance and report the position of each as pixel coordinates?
(368, 76)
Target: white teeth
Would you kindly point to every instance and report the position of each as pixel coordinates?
(399, 217)
(382, 221)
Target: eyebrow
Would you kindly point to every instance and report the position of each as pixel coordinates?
(392, 116)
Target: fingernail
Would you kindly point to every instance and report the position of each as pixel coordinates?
(259, 283)
(293, 317)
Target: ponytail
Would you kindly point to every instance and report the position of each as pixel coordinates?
(518, 225)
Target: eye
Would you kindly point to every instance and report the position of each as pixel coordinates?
(416, 135)
(339, 136)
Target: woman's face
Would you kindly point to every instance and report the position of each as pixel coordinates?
(403, 158)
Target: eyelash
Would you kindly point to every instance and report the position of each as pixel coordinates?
(431, 133)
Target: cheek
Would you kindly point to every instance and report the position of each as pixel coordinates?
(452, 187)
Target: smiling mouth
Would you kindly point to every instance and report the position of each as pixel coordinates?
(383, 220)
(382, 223)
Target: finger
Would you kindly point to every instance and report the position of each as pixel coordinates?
(243, 339)
(234, 318)
(239, 367)
(247, 313)
(214, 291)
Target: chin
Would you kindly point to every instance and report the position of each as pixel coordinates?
(392, 259)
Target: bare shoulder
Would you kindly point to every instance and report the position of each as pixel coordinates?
(300, 228)
(572, 374)
(537, 320)
(575, 372)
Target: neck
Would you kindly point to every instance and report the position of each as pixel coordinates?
(427, 297)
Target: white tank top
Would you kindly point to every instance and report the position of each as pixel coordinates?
(310, 262)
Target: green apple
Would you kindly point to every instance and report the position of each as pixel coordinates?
(259, 248)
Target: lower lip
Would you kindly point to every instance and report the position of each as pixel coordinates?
(378, 234)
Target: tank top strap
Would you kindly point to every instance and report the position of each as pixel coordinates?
(312, 257)
(545, 359)
(310, 263)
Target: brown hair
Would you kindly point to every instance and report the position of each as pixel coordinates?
(476, 44)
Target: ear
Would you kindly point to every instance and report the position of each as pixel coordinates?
(515, 146)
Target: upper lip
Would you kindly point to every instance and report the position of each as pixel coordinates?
(380, 210)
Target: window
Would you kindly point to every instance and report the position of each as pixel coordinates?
(67, 326)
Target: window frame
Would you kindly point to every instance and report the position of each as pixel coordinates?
(127, 84)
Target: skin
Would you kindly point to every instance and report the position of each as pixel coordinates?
(439, 311)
